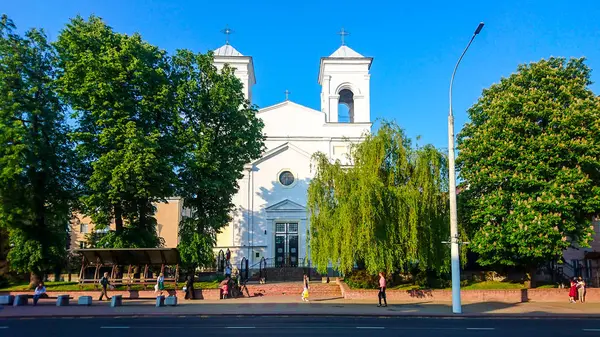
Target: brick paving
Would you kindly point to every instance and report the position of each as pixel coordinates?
(292, 305)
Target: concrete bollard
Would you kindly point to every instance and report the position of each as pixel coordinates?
(7, 299)
(160, 301)
(84, 300)
(171, 300)
(62, 300)
(21, 300)
(116, 301)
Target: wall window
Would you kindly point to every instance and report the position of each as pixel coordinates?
(286, 178)
(82, 245)
(83, 228)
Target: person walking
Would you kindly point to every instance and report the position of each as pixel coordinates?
(381, 295)
(581, 290)
(189, 288)
(104, 283)
(305, 290)
(160, 284)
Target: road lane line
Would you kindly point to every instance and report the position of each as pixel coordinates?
(370, 327)
(591, 330)
(114, 327)
(481, 328)
(241, 327)
(3, 327)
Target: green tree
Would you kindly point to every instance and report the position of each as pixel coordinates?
(530, 158)
(36, 185)
(218, 134)
(389, 211)
(118, 86)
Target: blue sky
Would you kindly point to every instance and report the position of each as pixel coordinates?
(415, 44)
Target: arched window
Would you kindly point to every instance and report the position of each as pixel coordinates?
(346, 106)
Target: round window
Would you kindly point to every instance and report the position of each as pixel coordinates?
(286, 178)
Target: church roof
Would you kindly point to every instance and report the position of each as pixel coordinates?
(227, 50)
(345, 51)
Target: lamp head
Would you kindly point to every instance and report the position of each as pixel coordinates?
(479, 28)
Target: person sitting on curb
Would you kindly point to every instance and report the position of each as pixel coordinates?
(40, 291)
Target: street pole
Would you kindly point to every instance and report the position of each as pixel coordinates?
(454, 237)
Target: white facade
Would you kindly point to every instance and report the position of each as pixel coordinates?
(271, 219)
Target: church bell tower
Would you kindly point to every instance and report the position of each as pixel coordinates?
(345, 79)
(243, 65)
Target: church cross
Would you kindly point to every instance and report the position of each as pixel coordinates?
(343, 34)
(227, 31)
(287, 93)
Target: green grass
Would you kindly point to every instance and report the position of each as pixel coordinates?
(74, 286)
(493, 285)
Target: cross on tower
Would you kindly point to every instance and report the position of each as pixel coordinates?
(227, 31)
(287, 93)
(343, 34)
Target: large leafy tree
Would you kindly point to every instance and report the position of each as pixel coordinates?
(389, 211)
(118, 87)
(530, 161)
(218, 134)
(35, 154)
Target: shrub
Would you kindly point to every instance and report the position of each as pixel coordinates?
(361, 279)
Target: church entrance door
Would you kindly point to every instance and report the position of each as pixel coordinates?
(286, 244)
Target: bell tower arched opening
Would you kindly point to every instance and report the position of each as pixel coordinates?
(346, 106)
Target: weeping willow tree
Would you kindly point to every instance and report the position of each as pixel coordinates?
(388, 212)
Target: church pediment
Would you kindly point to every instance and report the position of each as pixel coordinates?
(286, 205)
(279, 149)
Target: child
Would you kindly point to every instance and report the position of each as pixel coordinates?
(305, 291)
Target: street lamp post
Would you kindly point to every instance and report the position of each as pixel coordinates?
(454, 237)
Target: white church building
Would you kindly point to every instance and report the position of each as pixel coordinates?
(271, 218)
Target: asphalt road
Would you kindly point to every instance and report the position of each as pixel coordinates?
(297, 326)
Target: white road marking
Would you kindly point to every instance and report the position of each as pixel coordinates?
(241, 327)
(481, 328)
(114, 327)
(370, 327)
(3, 327)
(591, 330)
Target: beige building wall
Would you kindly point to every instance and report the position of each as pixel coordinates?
(168, 215)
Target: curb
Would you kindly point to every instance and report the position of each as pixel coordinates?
(381, 315)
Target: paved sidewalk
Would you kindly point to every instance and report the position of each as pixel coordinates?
(286, 305)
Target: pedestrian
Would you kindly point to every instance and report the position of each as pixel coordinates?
(40, 291)
(381, 294)
(581, 290)
(224, 286)
(573, 291)
(104, 283)
(305, 290)
(228, 270)
(160, 284)
(189, 288)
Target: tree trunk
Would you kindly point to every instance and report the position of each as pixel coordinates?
(118, 218)
(530, 277)
(34, 279)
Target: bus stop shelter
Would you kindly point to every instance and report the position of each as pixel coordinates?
(113, 258)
